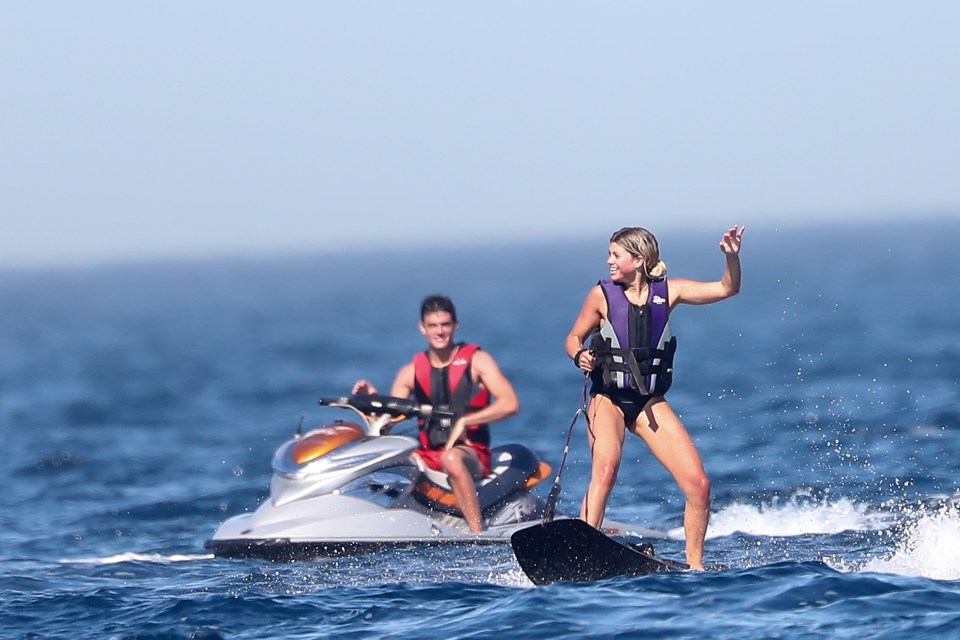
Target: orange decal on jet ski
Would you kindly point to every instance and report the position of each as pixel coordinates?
(325, 439)
(542, 473)
(436, 494)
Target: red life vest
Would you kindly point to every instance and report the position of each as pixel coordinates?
(453, 388)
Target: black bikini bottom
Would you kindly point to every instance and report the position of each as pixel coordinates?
(629, 401)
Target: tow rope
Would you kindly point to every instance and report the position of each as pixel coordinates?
(549, 508)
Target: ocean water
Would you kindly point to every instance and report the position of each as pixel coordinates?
(140, 406)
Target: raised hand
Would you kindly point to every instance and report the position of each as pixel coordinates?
(730, 242)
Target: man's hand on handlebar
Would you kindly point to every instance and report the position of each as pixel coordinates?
(363, 387)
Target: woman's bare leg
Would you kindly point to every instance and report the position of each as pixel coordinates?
(605, 434)
(670, 443)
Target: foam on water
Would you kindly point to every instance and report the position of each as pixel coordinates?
(930, 548)
(510, 578)
(131, 556)
(793, 518)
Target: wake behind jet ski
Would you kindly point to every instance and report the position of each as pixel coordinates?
(352, 487)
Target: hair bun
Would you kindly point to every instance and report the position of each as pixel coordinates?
(657, 271)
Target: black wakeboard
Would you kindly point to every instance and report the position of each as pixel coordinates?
(573, 551)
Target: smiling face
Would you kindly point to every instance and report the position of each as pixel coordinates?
(438, 327)
(623, 265)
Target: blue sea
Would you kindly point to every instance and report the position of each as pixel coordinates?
(140, 405)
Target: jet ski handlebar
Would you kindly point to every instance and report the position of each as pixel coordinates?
(377, 404)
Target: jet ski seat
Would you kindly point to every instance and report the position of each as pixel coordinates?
(512, 465)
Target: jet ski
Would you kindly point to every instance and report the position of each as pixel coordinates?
(353, 487)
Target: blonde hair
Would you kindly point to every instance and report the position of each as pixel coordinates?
(640, 243)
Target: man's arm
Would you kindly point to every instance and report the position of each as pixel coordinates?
(403, 382)
(505, 403)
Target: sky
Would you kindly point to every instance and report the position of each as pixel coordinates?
(151, 130)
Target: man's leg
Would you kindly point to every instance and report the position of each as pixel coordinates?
(463, 466)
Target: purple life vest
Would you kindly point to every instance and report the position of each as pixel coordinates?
(634, 348)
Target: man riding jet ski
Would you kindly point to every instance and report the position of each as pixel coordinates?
(466, 380)
(351, 487)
